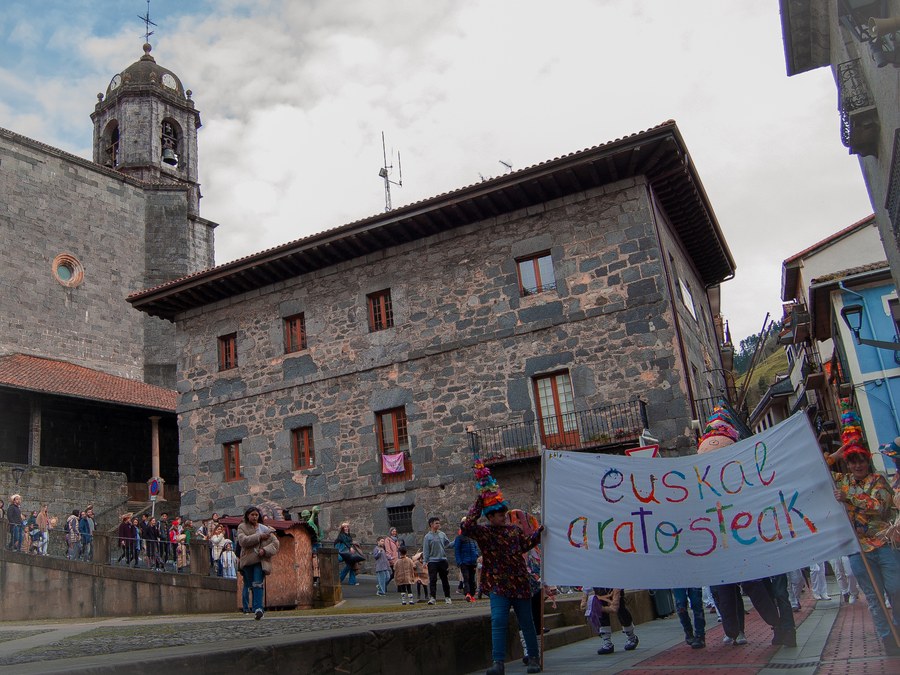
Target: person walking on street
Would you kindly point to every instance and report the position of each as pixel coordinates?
(392, 544)
(382, 567)
(73, 536)
(504, 576)
(43, 523)
(348, 553)
(867, 498)
(434, 553)
(86, 529)
(694, 634)
(404, 575)
(599, 607)
(466, 552)
(258, 544)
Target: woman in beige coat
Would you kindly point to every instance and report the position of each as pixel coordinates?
(258, 544)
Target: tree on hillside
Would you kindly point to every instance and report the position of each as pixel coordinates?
(748, 345)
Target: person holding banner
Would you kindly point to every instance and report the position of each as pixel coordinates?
(867, 498)
(504, 574)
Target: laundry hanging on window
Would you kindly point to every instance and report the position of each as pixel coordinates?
(392, 463)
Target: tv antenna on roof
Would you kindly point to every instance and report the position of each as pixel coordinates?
(385, 173)
(506, 164)
(147, 24)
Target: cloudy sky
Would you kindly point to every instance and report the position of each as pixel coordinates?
(294, 96)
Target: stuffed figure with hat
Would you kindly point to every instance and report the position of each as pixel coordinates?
(720, 432)
(851, 431)
(491, 496)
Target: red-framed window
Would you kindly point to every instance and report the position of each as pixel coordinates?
(536, 274)
(228, 352)
(232, 454)
(556, 410)
(294, 333)
(302, 444)
(381, 312)
(393, 439)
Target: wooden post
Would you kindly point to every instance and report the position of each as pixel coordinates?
(34, 433)
(154, 445)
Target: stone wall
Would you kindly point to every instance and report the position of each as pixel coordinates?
(125, 236)
(64, 490)
(464, 350)
(70, 589)
(52, 206)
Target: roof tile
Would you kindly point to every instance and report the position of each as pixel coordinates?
(21, 371)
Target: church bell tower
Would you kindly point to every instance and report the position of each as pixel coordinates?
(146, 125)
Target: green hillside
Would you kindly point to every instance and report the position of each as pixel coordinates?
(763, 377)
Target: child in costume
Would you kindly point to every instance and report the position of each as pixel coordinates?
(504, 573)
(404, 575)
(598, 608)
(421, 578)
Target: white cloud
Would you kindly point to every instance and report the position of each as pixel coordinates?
(294, 97)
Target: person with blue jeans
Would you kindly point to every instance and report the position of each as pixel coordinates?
(258, 544)
(382, 567)
(347, 551)
(694, 635)
(505, 576)
(16, 529)
(867, 497)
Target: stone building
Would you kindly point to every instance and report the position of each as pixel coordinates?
(572, 304)
(859, 40)
(81, 372)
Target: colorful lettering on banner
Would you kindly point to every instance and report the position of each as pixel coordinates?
(762, 506)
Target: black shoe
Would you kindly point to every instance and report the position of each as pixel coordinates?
(534, 665)
(689, 639)
(698, 643)
(258, 614)
(496, 669)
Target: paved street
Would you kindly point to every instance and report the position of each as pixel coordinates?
(64, 646)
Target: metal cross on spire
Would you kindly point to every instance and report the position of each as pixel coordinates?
(147, 24)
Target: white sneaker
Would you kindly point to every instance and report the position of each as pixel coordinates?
(727, 640)
(430, 601)
(740, 639)
(851, 599)
(447, 601)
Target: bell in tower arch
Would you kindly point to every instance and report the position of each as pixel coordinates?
(169, 144)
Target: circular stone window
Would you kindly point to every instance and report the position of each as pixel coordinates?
(67, 270)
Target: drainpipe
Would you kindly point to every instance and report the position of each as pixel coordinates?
(893, 403)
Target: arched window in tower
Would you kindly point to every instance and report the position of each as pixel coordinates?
(110, 144)
(171, 138)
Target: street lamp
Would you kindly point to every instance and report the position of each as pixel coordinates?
(853, 315)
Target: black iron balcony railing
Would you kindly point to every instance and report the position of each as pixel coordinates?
(613, 425)
(859, 116)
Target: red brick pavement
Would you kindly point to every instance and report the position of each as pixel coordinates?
(717, 657)
(853, 646)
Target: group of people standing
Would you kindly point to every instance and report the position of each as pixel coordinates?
(28, 534)
(157, 541)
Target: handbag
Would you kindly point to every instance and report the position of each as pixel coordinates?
(352, 557)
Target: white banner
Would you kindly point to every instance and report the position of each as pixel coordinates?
(757, 508)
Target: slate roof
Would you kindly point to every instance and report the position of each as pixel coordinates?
(659, 153)
(47, 376)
